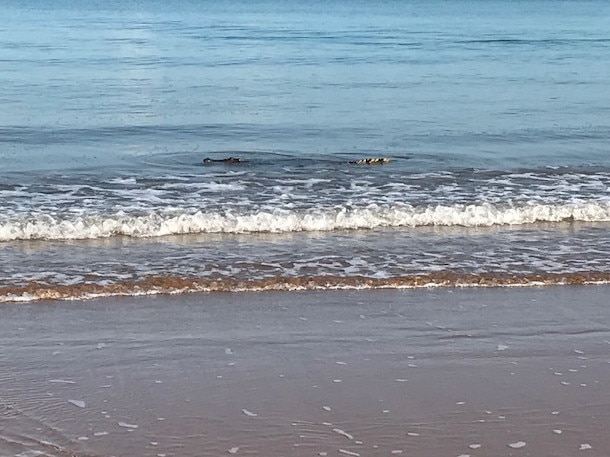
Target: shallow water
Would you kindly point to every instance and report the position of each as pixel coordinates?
(428, 372)
(494, 117)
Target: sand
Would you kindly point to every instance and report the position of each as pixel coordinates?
(420, 373)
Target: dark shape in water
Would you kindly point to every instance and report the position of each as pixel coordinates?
(371, 161)
(225, 160)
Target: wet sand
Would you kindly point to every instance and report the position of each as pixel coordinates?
(421, 373)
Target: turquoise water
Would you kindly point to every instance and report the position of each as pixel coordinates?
(494, 115)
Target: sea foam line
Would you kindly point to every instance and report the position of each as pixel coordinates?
(51, 227)
(174, 285)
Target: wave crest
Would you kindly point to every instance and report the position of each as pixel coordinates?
(52, 227)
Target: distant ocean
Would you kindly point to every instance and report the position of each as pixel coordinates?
(495, 116)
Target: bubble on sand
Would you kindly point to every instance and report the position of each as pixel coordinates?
(158, 381)
(412, 434)
(249, 413)
(229, 351)
(585, 447)
(460, 403)
(502, 347)
(341, 363)
(343, 433)
(100, 433)
(346, 452)
(474, 446)
(565, 383)
(101, 345)
(396, 451)
(79, 403)
(83, 438)
(322, 454)
(578, 351)
(557, 432)
(336, 381)
(61, 381)
(233, 450)
(464, 455)
(326, 408)
(401, 380)
(517, 445)
(126, 425)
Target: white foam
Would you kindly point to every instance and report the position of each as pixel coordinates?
(343, 433)
(346, 452)
(49, 226)
(127, 425)
(517, 445)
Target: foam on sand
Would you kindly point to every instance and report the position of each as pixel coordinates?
(79, 403)
(517, 444)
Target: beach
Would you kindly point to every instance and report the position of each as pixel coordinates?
(423, 373)
(326, 228)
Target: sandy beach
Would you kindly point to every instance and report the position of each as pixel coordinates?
(421, 373)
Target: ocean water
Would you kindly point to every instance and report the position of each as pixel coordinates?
(494, 115)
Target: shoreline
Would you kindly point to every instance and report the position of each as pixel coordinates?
(420, 372)
(168, 286)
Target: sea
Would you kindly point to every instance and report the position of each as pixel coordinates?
(493, 115)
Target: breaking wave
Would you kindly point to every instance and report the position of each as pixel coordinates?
(162, 223)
